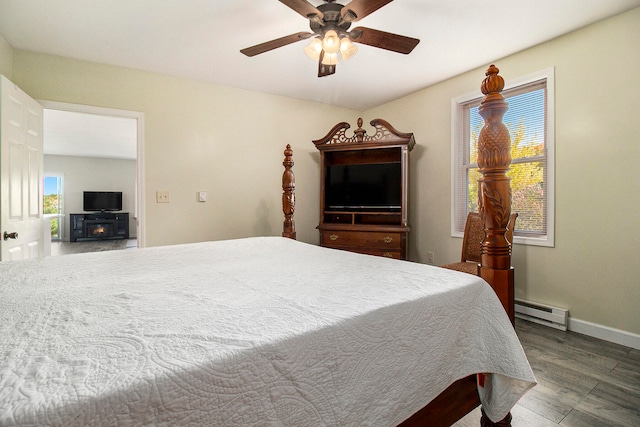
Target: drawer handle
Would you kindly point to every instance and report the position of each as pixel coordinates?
(388, 254)
(333, 237)
(388, 239)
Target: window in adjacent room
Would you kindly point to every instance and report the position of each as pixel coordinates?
(52, 204)
(530, 124)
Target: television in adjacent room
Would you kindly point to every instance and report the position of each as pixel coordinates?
(102, 201)
(364, 187)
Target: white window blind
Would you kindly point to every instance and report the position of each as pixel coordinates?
(530, 124)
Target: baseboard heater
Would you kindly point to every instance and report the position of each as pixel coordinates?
(543, 314)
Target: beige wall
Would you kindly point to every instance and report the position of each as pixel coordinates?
(6, 58)
(93, 174)
(201, 137)
(594, 269)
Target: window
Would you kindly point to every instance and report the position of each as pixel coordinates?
(52, 204)
(530, 124)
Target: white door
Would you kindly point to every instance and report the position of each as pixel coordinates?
(21, 170)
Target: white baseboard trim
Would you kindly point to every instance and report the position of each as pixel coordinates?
(606, 333)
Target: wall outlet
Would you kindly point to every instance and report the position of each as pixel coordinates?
(162, 197)
(202, 196)
(431, 258)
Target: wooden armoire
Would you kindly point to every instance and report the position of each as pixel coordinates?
(364, 189)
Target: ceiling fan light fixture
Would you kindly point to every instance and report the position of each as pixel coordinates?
(330, 59)
(331, 42)
(347, 48)
(313, 49)
(329, 24)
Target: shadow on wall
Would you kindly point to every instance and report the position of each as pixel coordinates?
(264, 212)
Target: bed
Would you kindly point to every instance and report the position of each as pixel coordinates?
(261, 331)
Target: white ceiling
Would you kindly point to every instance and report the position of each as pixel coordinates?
(201, 40)
(68, 133)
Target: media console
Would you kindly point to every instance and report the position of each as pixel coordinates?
(99, 226)
(364, 189)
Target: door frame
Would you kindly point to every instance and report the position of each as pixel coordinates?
(139, 213)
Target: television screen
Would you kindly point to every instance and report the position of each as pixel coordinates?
(369, 186)
(98, 201)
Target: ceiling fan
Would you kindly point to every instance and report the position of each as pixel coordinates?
(329, 23)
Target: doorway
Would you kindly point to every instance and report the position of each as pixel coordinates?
(99, 148)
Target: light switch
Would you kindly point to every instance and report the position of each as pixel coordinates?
(202, 196)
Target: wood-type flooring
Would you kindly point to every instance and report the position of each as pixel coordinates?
(582, 381)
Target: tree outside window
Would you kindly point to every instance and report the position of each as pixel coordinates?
(52, 203)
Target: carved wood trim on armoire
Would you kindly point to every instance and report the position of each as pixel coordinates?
(364, 188)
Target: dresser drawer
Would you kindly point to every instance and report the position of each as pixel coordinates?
(376, 251)
(366, 240)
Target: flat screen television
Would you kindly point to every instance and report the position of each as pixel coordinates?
(364, 187)
(101, 201)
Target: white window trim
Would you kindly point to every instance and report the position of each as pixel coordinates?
(456, 109)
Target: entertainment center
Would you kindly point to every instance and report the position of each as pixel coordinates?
(99, 226)
(364, 189)
(104, 221)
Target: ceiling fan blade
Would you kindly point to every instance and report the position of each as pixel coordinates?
(383, 40)
(358, 9)
(303, 7)
(274, 44)
(326, 70)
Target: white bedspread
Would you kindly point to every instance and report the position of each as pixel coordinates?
(259, 331)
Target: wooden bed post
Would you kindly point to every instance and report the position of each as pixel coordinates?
(288, 195)
(494, 158)
(494, 191)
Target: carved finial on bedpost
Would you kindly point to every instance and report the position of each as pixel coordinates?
(288, 194)
(494, 195)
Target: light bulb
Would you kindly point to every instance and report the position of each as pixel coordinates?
(347, 49)
(331, 42)
(330, 58)
(313, 49)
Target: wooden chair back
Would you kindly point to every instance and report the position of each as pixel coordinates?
(472, 239)
(474, 235)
